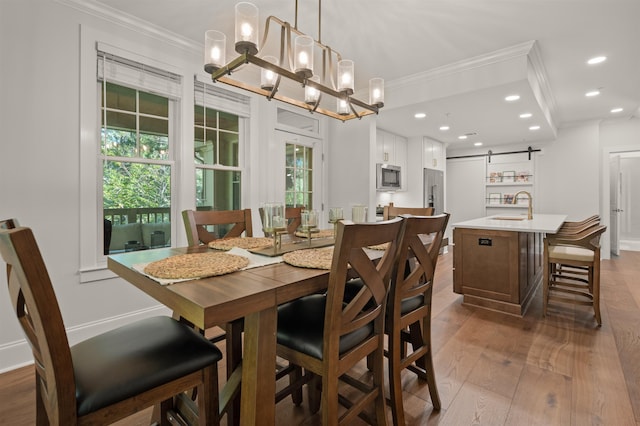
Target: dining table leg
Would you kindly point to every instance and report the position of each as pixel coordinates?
(258, 368)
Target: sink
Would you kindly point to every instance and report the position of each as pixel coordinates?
(509, 218)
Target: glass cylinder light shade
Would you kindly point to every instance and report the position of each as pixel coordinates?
(376, 92)
(246, 28)
(345, 76)
(214, 50)
(267, 77)
(303, 60)
(343, 107)
(311, 94)
(274, 217)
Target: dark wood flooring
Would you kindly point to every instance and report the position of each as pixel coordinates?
(491, 368)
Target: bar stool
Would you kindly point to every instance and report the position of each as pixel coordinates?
(562, 283)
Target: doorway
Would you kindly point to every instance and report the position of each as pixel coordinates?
(624, 201)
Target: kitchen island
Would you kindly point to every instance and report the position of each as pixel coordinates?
(497, 261)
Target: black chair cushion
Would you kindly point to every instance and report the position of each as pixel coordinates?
(407, 305)
(124, 362)
(301, 327)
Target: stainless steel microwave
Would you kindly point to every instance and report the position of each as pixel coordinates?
(388, 177)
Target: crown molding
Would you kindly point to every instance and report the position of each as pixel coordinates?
(102, 11)
(497, 56)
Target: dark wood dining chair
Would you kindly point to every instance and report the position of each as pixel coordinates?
(408, 317)
(327, 337)
(390, 211)
(293, 216)
(198, 225)
(109, 376)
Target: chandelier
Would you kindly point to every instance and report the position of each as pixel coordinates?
(326, 89)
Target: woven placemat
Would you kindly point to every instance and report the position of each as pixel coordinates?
(196, 265)
(322, 233)
(246, 243)
(318, 258)
(382, 246)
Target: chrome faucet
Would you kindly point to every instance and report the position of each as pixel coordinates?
(530, 210)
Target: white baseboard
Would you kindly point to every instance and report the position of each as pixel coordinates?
(633, 245)
(17, 354)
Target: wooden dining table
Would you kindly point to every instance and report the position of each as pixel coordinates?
(207, 302)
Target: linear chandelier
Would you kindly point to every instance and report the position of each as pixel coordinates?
(295, 63)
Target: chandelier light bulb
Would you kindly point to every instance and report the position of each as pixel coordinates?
(215, 45)
(311, 94)
(343, 107)
(345, 76)
(303, 59)
(376, 92)
(268, 77)
(246, 28)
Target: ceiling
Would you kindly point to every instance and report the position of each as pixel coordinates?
(404, 40)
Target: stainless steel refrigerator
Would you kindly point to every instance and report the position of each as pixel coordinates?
(434, 190)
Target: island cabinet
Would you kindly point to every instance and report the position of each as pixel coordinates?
(498, 262)
(497, 270)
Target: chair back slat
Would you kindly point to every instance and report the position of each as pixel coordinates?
(350, 257)
(420, 247)
(390, 211)
(195, 223)
(38, 313)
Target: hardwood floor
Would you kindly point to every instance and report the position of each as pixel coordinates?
(491, 368)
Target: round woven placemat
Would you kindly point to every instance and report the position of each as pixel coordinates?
(322, 233)
(196, 265)
(241, 242)
(318, 258)
(382, 246)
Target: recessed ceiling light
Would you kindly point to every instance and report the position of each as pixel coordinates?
(596, 60)
(420, 115)
(512, 98)
(592, 93)
(478, 144)
(444, 128)
(526, 115)
(534, 128)
(462, 137)
(616, 110)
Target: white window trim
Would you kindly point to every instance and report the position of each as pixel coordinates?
(93, 263)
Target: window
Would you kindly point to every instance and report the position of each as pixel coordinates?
(217, 152)
(135, 152)
(299, 176)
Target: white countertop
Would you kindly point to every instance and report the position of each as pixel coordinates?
(549, 223)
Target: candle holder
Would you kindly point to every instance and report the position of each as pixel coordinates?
(309, 223)
(274, 223)
(335, 216)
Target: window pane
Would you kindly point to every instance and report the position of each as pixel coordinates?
(137, 205)
(217, 189)
(228, 121)
(290, 155)
(298, 176)
(120, 97)
(120, 121)
(199, 115)
(119, 143)
(154, 138)
(154, 105)
(211, 118)
(228, 149)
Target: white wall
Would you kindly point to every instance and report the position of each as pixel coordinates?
(351, 177)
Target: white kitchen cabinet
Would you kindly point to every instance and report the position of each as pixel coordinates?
(392, 149)
(505, 176)
(432, 154)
